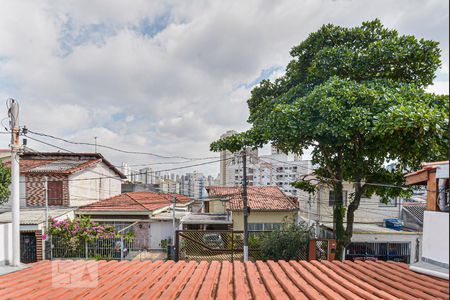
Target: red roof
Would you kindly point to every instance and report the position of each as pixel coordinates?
(61, 163)
(220, 280)
(259, 197)
(426, 166)
(135, 201)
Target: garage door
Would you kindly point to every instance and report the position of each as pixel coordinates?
(159, 231)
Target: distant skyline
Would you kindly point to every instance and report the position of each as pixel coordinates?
(168, 77)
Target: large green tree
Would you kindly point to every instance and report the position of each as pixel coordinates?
(356, 97)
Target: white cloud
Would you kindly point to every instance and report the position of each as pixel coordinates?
(167, 76)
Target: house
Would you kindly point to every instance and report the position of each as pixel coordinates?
(370, 236)
(32, 228)
(220, 280)
(147, 214)
(73, 179)
(435, 245)
(269, 206)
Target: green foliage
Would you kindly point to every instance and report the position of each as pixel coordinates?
(81, 229)
(290, 242)
(165, 243)
(5, 181)
(356, 97)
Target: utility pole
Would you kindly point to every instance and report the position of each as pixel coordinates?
(46, 215)
(174, 225)
(245, 204)
(309, 210)
(13, 113)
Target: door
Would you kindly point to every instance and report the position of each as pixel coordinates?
(28, 247)
(158, 232)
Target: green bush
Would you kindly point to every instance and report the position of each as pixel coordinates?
(290, 242)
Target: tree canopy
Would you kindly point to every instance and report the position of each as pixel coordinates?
(356, 97)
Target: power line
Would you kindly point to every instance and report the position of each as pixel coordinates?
(337, 180)
(117, 149)
(48, 144)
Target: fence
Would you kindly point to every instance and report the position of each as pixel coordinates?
(213, 245)
(210, 245)
(109, 248)
(383, 251)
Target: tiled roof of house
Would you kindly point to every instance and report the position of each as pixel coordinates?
(259, 197)
(426, 167)
(135, 201)
(61, 163)
(220, 280)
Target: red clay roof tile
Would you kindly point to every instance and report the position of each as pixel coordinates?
(259, 197)
(222, 280)
(135, 201)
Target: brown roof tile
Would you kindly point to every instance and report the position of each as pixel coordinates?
(221, 280)
(259, 197)
(135, 201)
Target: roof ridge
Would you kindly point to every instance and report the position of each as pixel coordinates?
(137, 202)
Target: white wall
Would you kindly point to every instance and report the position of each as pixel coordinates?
(393, 238)
(370, 209)
(83, 192)
(435, 236)
(5, 243)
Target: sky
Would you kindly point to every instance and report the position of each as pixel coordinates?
(168, 77)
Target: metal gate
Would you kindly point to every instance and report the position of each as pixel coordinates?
(395, 251)
(213, 245)
(28, 247)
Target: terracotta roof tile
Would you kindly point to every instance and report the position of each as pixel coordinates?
(135, 201)
(220, 280)
(259, 197)
(61, 162)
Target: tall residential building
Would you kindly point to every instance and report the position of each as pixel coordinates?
(277, 169)
(225, 157)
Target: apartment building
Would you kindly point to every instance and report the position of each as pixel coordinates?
(276, 169)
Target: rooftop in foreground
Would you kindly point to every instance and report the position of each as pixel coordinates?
(220, 280)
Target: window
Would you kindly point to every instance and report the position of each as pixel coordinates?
(55, 193)
(331, 198)
(263, 226)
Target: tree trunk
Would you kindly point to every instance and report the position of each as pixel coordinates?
(338, 219)
(351, 212)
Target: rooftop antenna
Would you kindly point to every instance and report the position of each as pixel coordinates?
(95, 142)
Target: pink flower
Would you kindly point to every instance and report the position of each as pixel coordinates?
(44, 237)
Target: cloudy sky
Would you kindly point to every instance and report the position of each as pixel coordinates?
(167, 77)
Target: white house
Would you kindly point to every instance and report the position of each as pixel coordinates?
(73, 180)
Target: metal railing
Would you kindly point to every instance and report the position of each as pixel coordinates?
(215, 245)
(106, 248)
(395, 251)
(224, 245)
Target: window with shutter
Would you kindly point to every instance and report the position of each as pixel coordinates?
(55, 193)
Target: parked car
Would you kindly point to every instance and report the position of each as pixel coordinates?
(213, 240)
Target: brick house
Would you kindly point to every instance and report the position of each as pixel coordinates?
(73, 180)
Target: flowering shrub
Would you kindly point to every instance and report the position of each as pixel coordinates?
(80, 229)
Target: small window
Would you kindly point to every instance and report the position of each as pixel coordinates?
(55, 193)
(331, 198)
